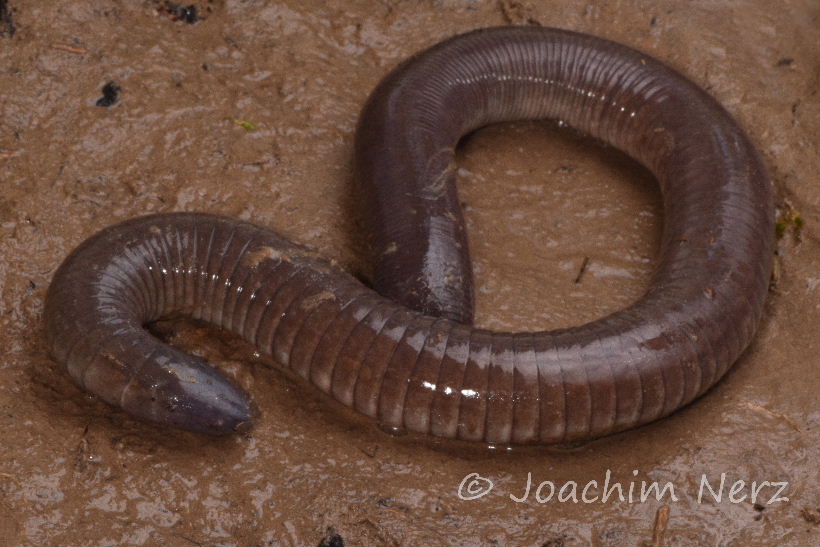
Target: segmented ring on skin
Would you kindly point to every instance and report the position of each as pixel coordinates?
(407, 355)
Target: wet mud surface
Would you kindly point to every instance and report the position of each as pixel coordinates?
(247, 109)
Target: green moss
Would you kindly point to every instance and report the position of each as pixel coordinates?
(780, 228)
(789, 218)
(247, 125)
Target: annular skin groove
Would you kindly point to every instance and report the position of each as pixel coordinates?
(404, 352)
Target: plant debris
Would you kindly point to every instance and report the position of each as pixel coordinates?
(70, 49)
(176, 12)
(659, 527)
(777, 271)
(584, 265)
(516, 13)
(812, 516)
(791, 423)
(559, 541)
(6, 23)
(110, 93)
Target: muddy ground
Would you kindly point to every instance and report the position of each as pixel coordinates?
(248, 110)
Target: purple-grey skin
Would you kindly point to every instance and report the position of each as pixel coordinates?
(408, 357)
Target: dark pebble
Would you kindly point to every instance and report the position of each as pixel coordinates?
(110, 93)
(332, 541)
(6, 24)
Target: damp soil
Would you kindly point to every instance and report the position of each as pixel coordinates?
(247, 109)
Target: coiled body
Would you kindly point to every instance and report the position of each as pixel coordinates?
(408, 357)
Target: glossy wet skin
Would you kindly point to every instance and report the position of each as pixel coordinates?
(428, 374)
